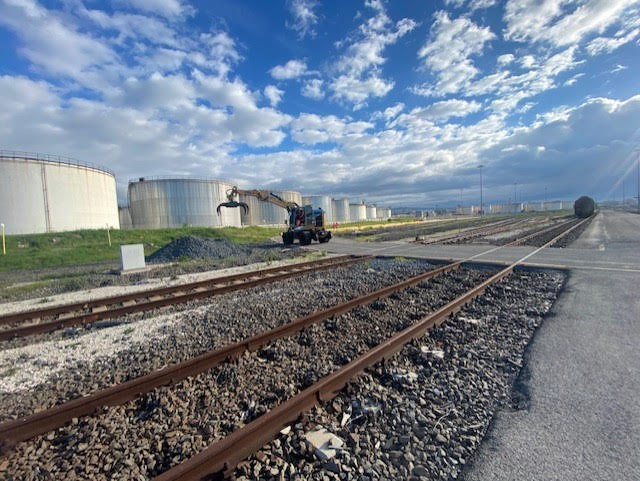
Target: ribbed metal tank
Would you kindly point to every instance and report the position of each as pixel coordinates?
(357, 212)
(265, 213)
(371, 212)
(383, 213)
(158, 202)
(320, 202)
(49, 193)
(341, 210)
(125, 218)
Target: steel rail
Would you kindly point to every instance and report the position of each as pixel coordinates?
(111, 300)
(88, 318)
(221, 457)
(41, 422)
(527, 237)
(470, 232)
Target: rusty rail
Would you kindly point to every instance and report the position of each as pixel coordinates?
(44, 421)
(221, 457)
(175, 295)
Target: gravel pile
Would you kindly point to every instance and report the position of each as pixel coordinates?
(198, 248)
(143, 438)
(78, 361)
(422, 414)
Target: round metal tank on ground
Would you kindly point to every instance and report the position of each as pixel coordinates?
(371, 212)
(48, 193)
(265, 213)
(125, 218)
(320, 202)
(158, 202)
(357, 212)
(341, 210)
(383, 213)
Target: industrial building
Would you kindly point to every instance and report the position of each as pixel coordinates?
(158, 202)
(357, 212)
(265, 213)
(510, 208)
(323, 202)
(341, 212)
(48, 193)
(547, 206)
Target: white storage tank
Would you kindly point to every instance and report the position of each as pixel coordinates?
(159, 202)
(357, 212)
(383, 213)
(511, 208)
(125, 217)
(265, 213)
(371, 212)
(320, 202)
(48, 193)
(341, 210)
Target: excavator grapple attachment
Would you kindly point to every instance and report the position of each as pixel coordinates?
(233, 203)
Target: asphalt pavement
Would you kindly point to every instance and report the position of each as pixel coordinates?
(583, 366)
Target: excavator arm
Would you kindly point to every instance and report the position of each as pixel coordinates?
(263, 195)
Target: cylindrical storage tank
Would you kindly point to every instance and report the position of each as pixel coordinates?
(265, 213)
(357, 212)
(383, 213)
(341, 210)
(47, 193)
(125, 218)
(178, 202)
(371, 212)
(320, 202)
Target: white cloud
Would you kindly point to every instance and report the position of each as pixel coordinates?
(167, 8)
(573, 79)
(292, 69)
(561, 22)
(312, 129)
(527, 61)
(312, 89)
(358, 70)
(304, 17)
(472, 5)
(447, 53)
(618, 68)
(505, 59)
(274, 94)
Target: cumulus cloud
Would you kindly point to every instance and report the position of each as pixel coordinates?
(448, 53)
(274, 94)
(358, 74)
(290, 70)
(167, 8)
(312, 89)
(304, 17)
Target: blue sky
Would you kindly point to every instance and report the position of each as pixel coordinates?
(393, 102)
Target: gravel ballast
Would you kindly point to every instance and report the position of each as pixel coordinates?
(79, 361)
(480, 358)
(423, 414)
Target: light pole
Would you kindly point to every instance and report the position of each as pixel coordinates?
(515, 195)
(544, 207)
(4, 246)
(481, 206)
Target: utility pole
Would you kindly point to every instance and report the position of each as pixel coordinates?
(481, 208)
(638, 180)
(544, 207)
(515, 195)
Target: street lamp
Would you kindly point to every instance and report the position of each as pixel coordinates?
(4, 246)
(481, 206)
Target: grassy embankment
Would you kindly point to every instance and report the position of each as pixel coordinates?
(36, 251)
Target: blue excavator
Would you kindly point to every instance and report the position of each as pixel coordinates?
(305, 223)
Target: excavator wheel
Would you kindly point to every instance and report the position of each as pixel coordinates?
(287, 238)
(305, 238)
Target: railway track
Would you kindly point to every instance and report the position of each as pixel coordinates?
(81, 313)
(221, 457)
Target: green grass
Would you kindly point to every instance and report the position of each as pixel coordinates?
(378, 222)
(36, 251)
